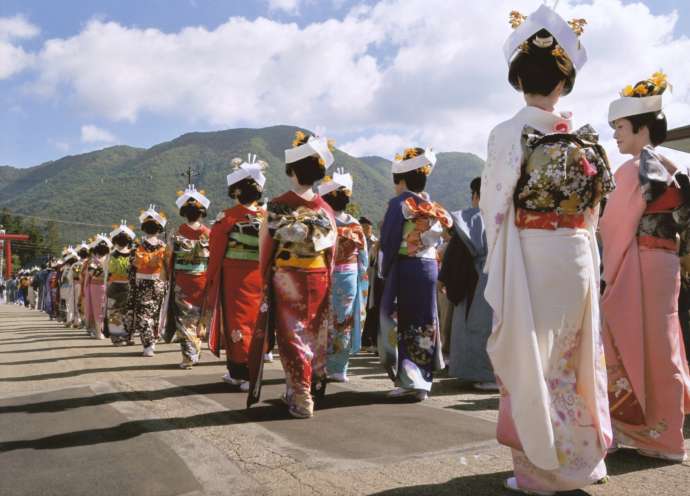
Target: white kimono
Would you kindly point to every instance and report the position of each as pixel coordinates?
(526, 348)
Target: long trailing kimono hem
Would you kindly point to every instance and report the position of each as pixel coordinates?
(515, 319)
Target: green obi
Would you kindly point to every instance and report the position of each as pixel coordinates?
(118, 267)
(408, 227)
(242, 247)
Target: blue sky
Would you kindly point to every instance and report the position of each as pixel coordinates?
(376, 75)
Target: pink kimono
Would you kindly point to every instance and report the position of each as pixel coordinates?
(648, 382)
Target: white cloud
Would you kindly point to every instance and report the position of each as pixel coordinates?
(404, 70)
(382, 144)
(62, 146)
(95, 134)
(17, 27)
(13, 58)
(288, 6)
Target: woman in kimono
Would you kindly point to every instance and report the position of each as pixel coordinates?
(297, 251)
(147, 279)
(94, 285)
(233, 294)
(117, 316)
(649, 387)
(188, 264)
(412, 231)
(464, 280)
(349, 286)
(541, 189)
(70, 257)
(78, 275)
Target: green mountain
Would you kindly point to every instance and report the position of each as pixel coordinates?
(450, 182)
(100, 188)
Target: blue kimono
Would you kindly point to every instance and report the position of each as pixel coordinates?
(409, 337)
(472, 316)
(349, 295)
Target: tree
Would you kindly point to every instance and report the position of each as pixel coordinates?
(353, 209)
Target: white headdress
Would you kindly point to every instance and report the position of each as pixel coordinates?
(566, 34)
(69, 253)
(100, 238)
(339, 180)
(154, 215)
(123, 228)
(191, 193)
(314, 146)
(251, 168)
(400, 165)
(644, 98)
(83, 246)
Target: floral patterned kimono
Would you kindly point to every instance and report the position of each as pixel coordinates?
(73, 301)
(189, 262)
(540, 193)
(297, 254)
(118, 318)
(233, 294)
(349, 293)
(147, 286)
(66, 293)
(94, 289)
(410, 349)
(649, 386)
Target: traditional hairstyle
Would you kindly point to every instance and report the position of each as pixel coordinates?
(309, 169)
(476, 186)
(540, 64)
(415, 180)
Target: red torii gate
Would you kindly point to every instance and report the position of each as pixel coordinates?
(8, 238)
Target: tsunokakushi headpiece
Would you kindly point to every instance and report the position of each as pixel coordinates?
(565, 36)
(303, 147)
(251, 168)
(69, 253)
(100, 238)
(643, 98)
(122, 228)
(411, 159)
(191, 193)
(152, 214)
(339, 180)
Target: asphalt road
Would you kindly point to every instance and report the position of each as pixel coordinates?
(81, 417)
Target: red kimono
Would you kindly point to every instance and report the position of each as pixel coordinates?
(297, 254)
(233, 291)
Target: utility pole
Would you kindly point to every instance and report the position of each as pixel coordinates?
(190, 173)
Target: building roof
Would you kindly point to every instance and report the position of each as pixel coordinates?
(678, 139)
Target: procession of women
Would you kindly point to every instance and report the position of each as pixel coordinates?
(558, 287)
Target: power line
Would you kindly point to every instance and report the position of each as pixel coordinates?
(45, 219)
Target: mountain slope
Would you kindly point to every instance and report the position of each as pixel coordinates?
(105, 186)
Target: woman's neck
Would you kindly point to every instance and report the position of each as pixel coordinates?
(151, 238)
(545, 103)
(194, 225)
(251, 206)
(340, 215)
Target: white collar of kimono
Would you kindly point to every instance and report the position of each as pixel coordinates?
(547, 122)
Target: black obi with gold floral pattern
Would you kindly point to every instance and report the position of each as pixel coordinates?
(562, 173)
